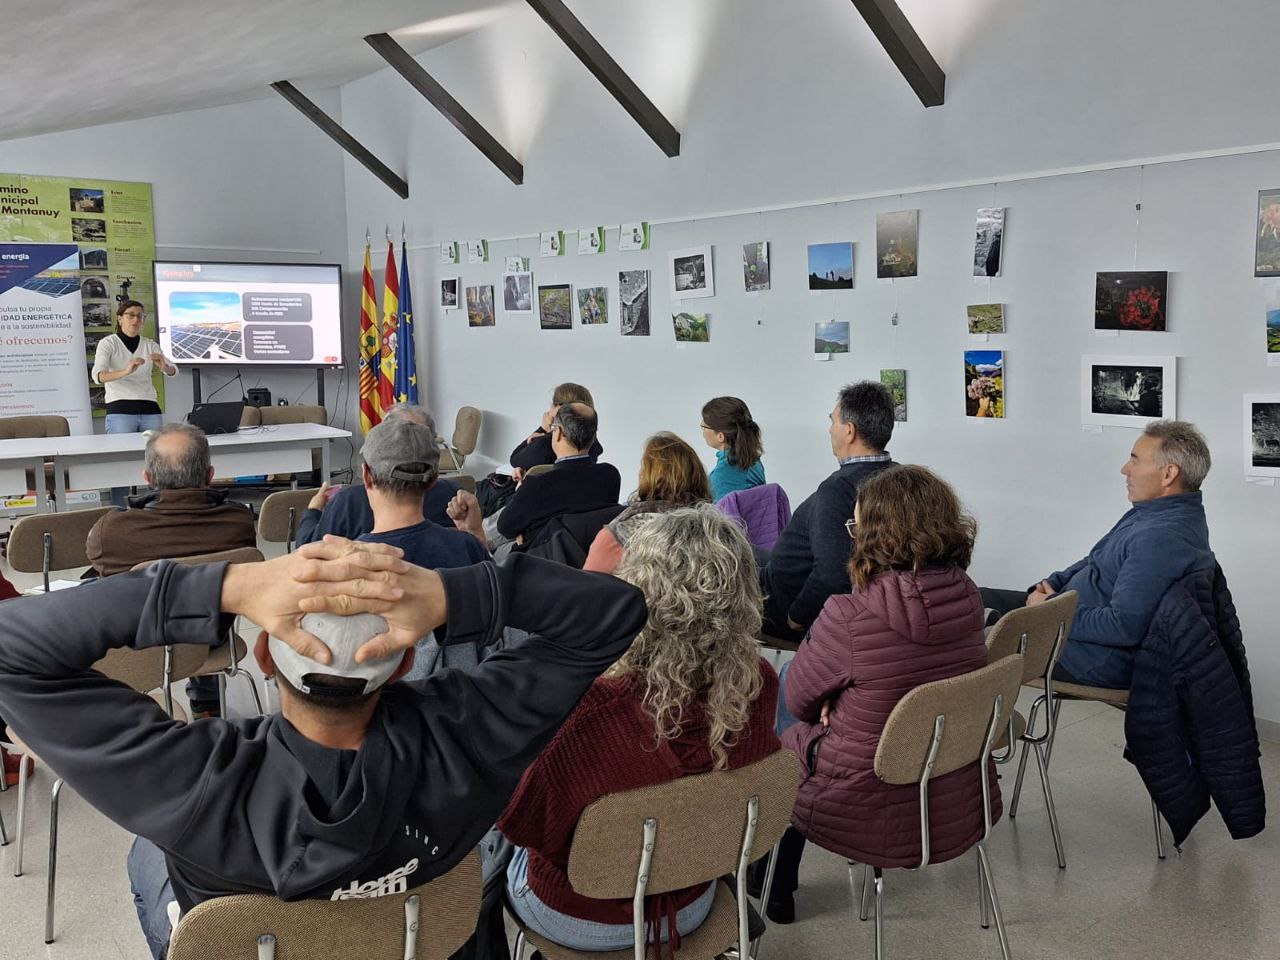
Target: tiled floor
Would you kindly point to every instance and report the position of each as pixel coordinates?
(1115, 900)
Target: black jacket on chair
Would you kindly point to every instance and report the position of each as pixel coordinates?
(572, 486)
(1189, 727)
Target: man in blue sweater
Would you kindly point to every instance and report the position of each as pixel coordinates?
(809, 563)
(1162, 538)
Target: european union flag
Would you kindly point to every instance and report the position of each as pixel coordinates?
(406, 386)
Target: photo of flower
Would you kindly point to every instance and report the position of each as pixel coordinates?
(984, 383)
(1132, 300)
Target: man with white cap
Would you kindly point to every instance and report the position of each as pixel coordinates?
(361, 786)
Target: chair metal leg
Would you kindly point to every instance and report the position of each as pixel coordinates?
(53, 859)
(1043, 766)
(1048, 753)
(984, 914)
(867, 886)
(879, 880)
(4, 834)
(767, 890)
(995, 901)
(22, 815)
(517, 952)
(1155, 819)
(1017, 784)
(253, 689)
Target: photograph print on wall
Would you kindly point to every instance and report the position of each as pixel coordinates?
(449, 293)
(517, 292)
(590, 240)
(449, 252)
(1121, 391)
(593, 305)
(480, 306)
(692, 274)
(477, 251)
(633, 236)
(555, 306)
(1131, 300)
(551, 243)
(1262, 435)
(633, 303)
(988, 240)
(1267, 253)
(830, 338)
(897, 244)
(692, 327)
(831, 266)
(985, 317)
(984, 383)
(896, 381)
(1272, 291)
(755, 266)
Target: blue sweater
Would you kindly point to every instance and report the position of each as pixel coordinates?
(430, 545)
(348, 514)
(726, 478)
(1121, 582)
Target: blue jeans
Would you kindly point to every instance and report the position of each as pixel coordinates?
(130, 423)
(152, 892)
(587, 934)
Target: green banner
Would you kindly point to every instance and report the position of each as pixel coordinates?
(111, 223)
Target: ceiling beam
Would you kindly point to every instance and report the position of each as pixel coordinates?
(605, 69)
(403, 63)
(905, 49)
(345, 140)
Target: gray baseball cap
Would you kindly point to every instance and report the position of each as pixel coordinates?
(400, 449)
(343, 636)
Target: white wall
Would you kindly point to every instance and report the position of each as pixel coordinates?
(251, 182)
(777, 108)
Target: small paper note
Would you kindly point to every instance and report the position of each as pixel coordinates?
(1261, 481)
(1090, 428)
(1106, 333)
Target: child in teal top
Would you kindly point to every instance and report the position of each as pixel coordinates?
(728, 429)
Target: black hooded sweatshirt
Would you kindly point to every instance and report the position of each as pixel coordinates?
(252, 806)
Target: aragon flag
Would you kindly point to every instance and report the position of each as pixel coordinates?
(390, 338)
(370, 351)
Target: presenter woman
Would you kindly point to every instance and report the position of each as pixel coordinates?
(123, 365)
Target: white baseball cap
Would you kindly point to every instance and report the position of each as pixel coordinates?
(343, 636)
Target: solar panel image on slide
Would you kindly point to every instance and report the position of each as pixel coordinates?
(199, 341)
(53, 286)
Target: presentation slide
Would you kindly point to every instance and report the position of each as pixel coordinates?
(247, 314)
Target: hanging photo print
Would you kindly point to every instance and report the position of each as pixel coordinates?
(1119, 391)
(449, 293)
(477, 251)
(480, 306)
(897, 244)
(449, 252)
(593, 305)
(755, 266)
(551, 244)
(830, 338)
(633, 236)
(987, 242)
(517, 293)
(633, 303)
(1133, 300)
(896, 381)
(1267, 254)
(831, 266)
(555, 306)
(1272, 293)
(692, 327)
(1262, 435)
(984, 383)
(590, 240)
(692, 274)
(985, 317)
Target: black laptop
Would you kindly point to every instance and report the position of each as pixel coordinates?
(217, 417)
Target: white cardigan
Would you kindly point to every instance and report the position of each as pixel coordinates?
(114, 355)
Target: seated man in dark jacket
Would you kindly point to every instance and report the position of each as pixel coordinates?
(809, 563)
(181, 516)
(1162, 538)
(536, 448)
(346, 512)
(360, 786)
(575, 485)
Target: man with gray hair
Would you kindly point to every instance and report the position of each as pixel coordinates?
(345, 511)
(1163, 538)
(181, 516)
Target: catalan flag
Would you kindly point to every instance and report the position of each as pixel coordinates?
(390, 319)
(370, 351)
(406, 360)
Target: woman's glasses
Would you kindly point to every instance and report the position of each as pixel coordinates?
(850, 527)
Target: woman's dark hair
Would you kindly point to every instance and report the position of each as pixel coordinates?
(730, 416)
(670, 472)
(909, 518)
(127, 305)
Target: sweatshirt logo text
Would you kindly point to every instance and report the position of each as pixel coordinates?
(397, 881)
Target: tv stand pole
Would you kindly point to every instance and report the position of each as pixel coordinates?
(320, 386)
(195, 385)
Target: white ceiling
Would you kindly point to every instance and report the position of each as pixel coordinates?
(72, 63)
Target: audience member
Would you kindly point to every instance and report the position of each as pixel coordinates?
(691, 695)
(809, 561)
(346, 512)
(1163, 537)
(914, 616)
(728, 429)
(181, 516)
(536, 448)
(359, 783)
(671, 476)
(576, 484)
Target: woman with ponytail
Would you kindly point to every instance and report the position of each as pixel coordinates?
(728, 429)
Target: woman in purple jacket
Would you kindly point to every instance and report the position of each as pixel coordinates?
(913, 617)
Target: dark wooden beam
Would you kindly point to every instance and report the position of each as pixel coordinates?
(605, 69)
(905, 49)
(402, 62)
(342, 138)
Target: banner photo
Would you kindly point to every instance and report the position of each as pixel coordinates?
(42, 366)
(111, 226)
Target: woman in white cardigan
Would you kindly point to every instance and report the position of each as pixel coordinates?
(123, 365)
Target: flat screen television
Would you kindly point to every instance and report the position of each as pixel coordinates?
(249, 314)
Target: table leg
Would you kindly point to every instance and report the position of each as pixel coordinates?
(324, 461)
(59, 484)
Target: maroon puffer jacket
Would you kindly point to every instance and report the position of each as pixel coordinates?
(866, 651)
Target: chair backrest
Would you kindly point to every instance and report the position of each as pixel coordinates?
(464, 480)
(273, 516)
(24, 428)
(466, 429)
(1033, 632)
(251, 416)
(966, 702)
(700, 827)
(539, 469)
(294, 413)
(439, 917)
(68, 530)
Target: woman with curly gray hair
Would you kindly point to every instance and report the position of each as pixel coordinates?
(691, 695)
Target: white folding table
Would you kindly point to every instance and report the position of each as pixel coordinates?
(17, 457)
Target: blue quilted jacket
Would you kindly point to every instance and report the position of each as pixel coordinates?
(1189, 728)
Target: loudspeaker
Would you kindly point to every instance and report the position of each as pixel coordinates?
(259, 397)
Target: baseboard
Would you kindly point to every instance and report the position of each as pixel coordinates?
(1268, 729)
